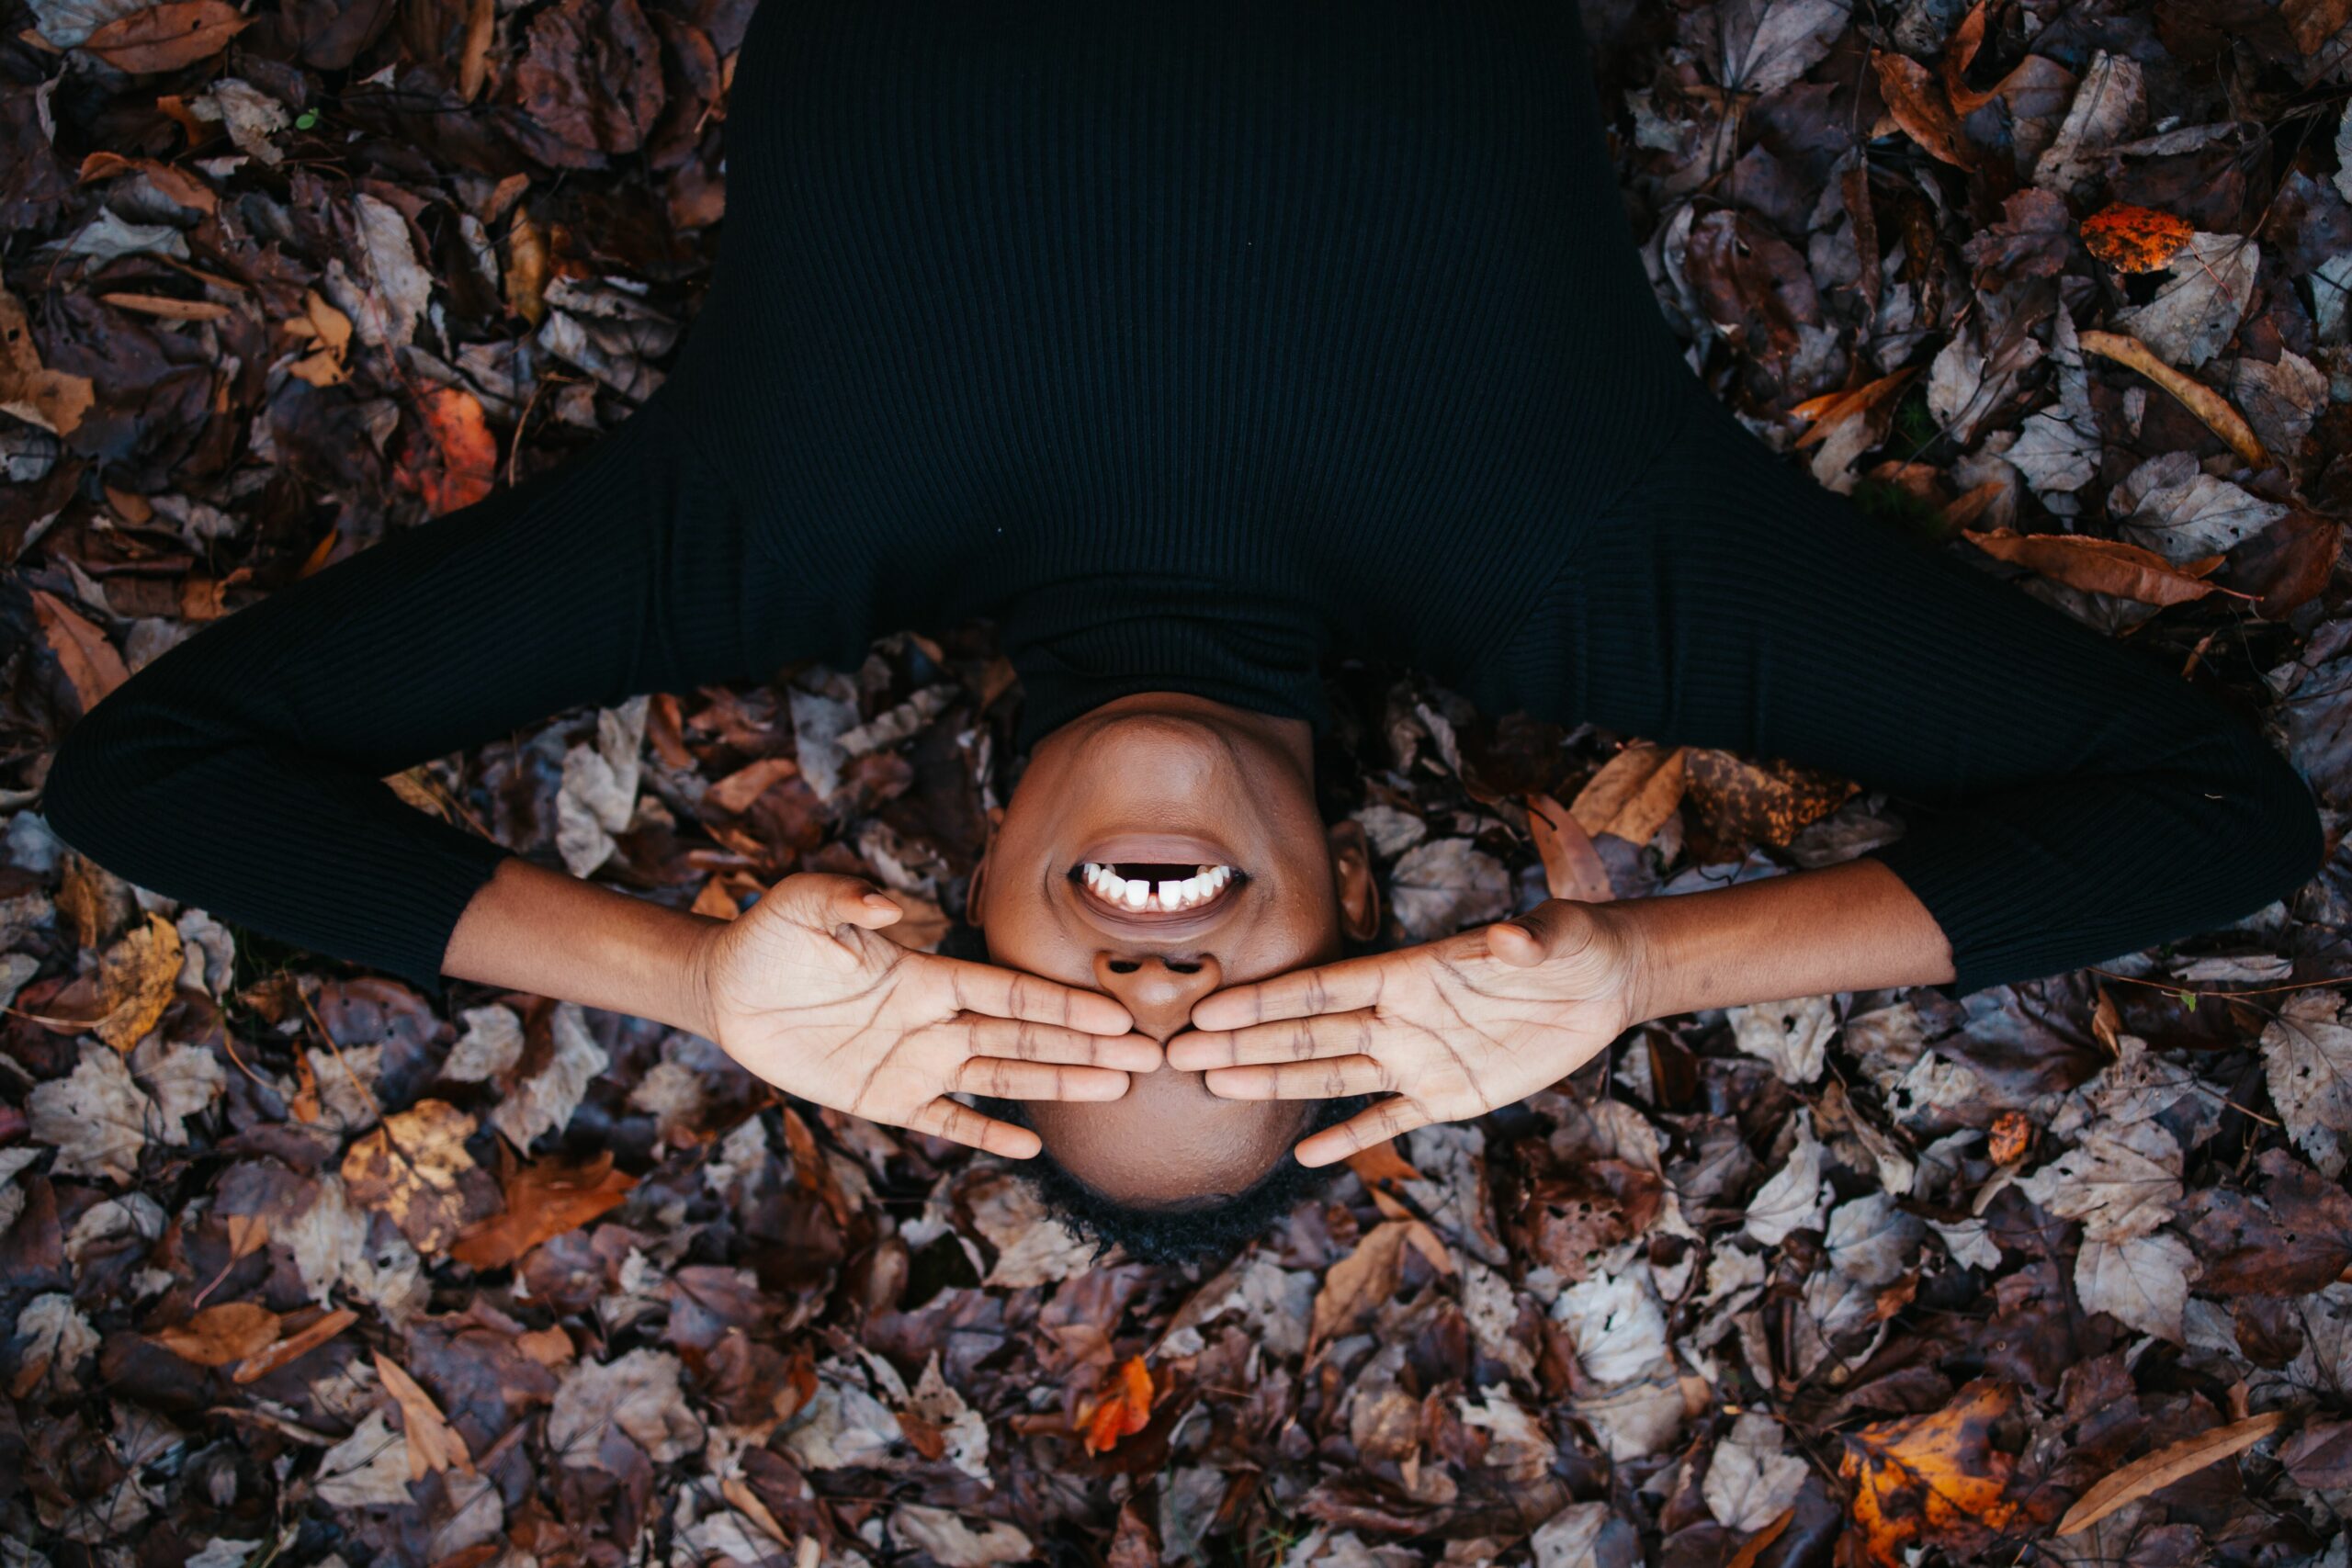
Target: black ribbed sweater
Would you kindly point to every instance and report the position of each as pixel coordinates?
(1193, 341)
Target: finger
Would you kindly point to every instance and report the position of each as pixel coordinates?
(1013, 993)
(824, 900)
(1334, 1077)
(1515, 944)
(1025, 1042)
(1333, 988)
(944, 1118)
(1292, 1039)
(1038, 1080)
(1389, 1119)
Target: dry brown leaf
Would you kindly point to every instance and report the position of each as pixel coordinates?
(1917, 101)
(1634, 792)
(412, 1167)
(1742, 800)
(2100, 566)
(295, 1346)
(544, 1199)
(182, 188)
(2201, 399)
(88, 659)
(220, 1334)
(169, 309)
(736, 792)
(2153, 1471)
(433, 1443)
(1572, 867)
(136, 979)
(526, 268)
(1358, 1284)
(51, 398)
(168, 37)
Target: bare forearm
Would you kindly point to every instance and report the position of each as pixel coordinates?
(1843, 928)
(534, 929)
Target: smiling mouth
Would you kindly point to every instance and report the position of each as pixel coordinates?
(1150, 887)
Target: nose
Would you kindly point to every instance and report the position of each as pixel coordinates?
(1158, 992)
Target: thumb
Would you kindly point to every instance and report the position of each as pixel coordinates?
(1528, 940)
(823, 900)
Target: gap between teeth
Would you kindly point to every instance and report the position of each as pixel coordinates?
(1162, 897)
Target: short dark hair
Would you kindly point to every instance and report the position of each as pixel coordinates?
(1184, 1232)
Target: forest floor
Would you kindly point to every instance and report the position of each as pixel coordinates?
(295, 1268)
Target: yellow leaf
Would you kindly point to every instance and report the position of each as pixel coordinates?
(136, 979)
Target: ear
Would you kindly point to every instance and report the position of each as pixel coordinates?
(995, 814)
(1351, 873)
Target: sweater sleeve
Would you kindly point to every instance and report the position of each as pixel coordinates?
(243, 770)
(2067, 798)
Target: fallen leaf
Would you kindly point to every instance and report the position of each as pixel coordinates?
(2100, 566)
(1933, 1480)
(1121, 1410)
(1915, 98)
(220, 1334)
(293, 1346)
(453, 458)
(414, 1166)
(1634, 794)
(49, 398)
(168, 37)
(1572, 867)
(543, 1199)
(2166, 1465)
(433, 1445)
(2198, 398)
(88, 659)
(2134, 238)
(137, 977)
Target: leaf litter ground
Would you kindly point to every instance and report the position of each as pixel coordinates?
(296, 1268)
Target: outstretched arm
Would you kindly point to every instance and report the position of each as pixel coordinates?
(243, 770)
(2066, 799)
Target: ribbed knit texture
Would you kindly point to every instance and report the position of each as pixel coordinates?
(1195, 343)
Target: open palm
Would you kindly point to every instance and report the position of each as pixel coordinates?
(806, 992)
(1450, 1029)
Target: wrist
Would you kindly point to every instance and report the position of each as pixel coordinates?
(1635, 959)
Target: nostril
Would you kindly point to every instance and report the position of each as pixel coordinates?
(1182, 968)
(1126, 966)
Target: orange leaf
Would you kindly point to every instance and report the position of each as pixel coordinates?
(168, 37)
(2012, 1134)
(89, 661)
(1381, 1163)
(2100, 566)
(544, 1199)
(1918, 106)
(453, 458)
(1931, 1480)
(2134, 238)
(220, 1334)
(294, 1347)
(1124, 1408)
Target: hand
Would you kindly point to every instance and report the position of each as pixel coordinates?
(803, 990)
(1452, 1027)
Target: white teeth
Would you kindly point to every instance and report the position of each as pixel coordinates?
(1165, 898)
